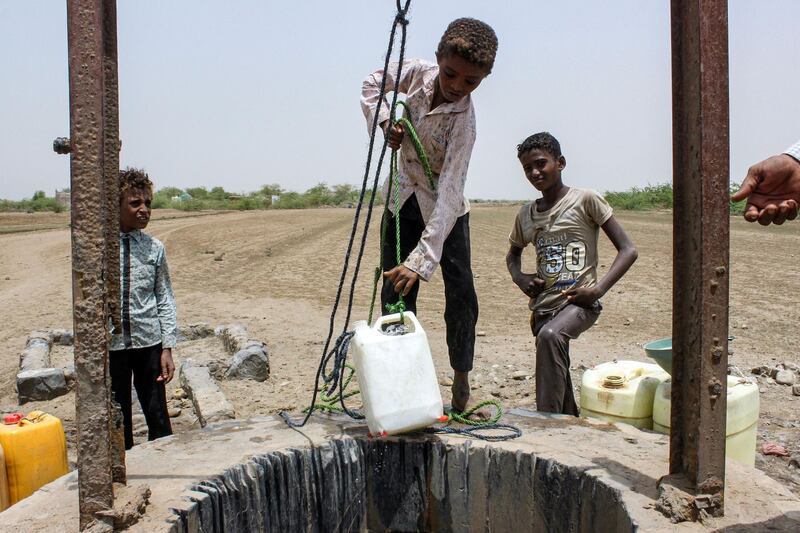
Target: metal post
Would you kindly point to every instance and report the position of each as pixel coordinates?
(111, 148)
(92, 119)
(700, 250)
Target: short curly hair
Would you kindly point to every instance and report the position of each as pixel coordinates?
(470, 39)
(134, 179)
(540, 141)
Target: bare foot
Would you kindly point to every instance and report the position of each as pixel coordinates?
(461, 397)
(460, 390)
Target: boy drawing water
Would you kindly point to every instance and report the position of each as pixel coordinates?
(434, 220)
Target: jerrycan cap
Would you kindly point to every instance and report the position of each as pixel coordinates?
(613, 382)
(12, 418)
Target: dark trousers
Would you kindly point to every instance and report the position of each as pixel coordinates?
(553, 333)
(144, 364)
(461, 302)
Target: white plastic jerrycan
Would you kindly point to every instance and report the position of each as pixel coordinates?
(396, 376)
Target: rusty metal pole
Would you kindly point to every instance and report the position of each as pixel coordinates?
(90, 233)
(111, 148)
(700, 251)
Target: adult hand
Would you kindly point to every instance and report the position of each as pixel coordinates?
(772, 189)
(167, 366)
(394, 134)
(531, 284)
(402, 278)
(582, 296)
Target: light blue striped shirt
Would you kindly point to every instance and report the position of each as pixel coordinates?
(147, 303)
(794, 151)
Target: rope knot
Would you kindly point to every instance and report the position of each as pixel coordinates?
(401, 19)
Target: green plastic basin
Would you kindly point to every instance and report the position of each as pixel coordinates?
(661, 352)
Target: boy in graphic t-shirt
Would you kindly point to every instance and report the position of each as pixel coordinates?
(564, 292)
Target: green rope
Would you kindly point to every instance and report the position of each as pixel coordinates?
(464, 418)
(412, 133)
(400, 305)
(480, 429)
(327, 403)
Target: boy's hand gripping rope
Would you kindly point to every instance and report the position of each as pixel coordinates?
(394, 191)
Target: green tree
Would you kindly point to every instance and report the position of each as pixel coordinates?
(218, 193)
(271, 189)
(199, 193)
(292, 200)
(38, 195)
(318, 195)
(343, 194)
(169, 192)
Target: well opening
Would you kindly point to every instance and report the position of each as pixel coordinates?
(403, 484)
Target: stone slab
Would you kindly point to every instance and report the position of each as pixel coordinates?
(209, 402)
(249, 363)
(36, 354)
(41, 384)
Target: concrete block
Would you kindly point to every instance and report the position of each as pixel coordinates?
(210, 404)
(41, 384)
(36, 355)
(250, 363)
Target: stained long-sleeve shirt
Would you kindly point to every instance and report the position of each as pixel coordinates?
(448, 134)
(147, 303)
(794, 151)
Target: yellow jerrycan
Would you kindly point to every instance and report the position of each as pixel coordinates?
(35, 451)
(5, 500)
(396, 375)
(621, 391)
(741, 418)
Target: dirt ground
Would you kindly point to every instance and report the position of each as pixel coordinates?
(277, 272)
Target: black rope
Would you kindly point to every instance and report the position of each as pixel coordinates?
(339, 353)
(477, 431)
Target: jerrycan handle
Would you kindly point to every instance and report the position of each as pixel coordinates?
(408, 316)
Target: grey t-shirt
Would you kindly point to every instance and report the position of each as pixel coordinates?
(565, 237)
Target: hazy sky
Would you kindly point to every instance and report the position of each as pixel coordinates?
(242, 93)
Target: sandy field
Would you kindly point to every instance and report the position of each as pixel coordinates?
(277, 271)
